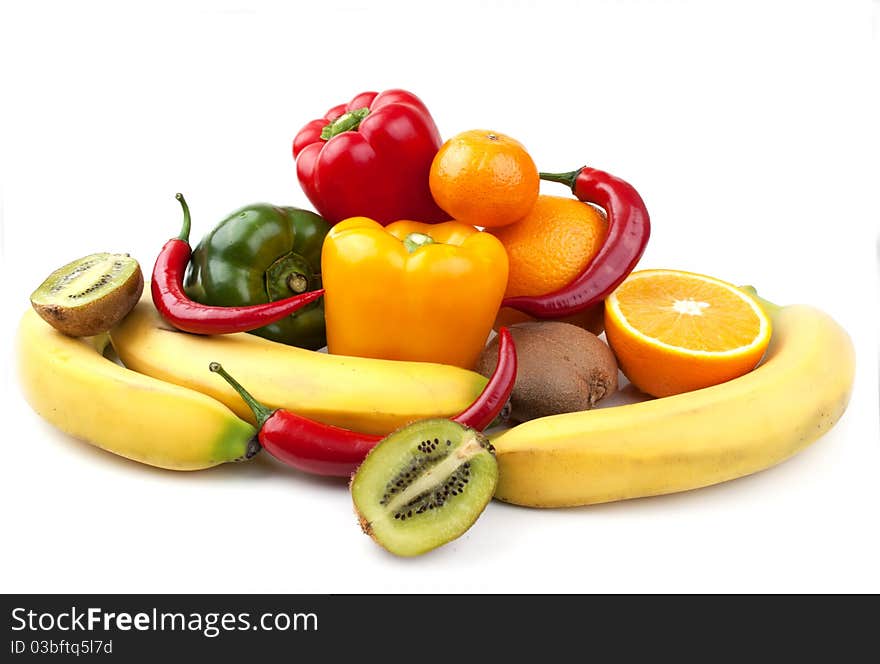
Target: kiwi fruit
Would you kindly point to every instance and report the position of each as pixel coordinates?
(424, 485)
(90, 295)
(561, 368)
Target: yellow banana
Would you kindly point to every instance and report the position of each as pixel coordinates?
(367, 395)
(689, 440)
(72, 385)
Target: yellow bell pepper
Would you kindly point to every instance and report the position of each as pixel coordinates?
(411, 291)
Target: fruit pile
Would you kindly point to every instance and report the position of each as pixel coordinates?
(462, 313)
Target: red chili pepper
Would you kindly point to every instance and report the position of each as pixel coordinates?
(370, 158)
(494, 397)
(628, 231)
(166, 287)
(324, 449)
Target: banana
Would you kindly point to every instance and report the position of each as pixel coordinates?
(366, 395)
(72, 385)
(689, 440)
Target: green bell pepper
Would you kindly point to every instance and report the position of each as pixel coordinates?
(262, 253)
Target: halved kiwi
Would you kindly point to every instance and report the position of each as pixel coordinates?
(424, 485)
(90, 295)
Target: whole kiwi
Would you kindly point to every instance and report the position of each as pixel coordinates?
(562, 368)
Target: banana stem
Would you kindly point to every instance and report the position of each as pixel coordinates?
(771, 308)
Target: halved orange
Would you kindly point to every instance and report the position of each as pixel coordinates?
(675, 331)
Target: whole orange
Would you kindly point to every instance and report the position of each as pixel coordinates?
(551, 245)
(484, 178)
(548, 248)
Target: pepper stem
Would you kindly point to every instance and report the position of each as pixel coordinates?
(562, 178)
(298, 283)
(260, 411)
(345, 122)
(184, 232)
(415, 240)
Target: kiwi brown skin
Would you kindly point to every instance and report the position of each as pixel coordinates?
(95, 317)
(562, 368)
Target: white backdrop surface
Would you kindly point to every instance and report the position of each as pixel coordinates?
(749, 128)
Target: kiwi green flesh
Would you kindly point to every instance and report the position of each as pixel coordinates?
(89, 295)
(424, 485)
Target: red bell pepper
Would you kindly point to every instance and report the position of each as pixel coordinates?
(370, 158)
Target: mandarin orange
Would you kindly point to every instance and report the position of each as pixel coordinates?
(484, 178)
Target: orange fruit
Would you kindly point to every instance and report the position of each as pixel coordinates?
(484, 178)
(551, 245)
(675, 331)
(548, 248)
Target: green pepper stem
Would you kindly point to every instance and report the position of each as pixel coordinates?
(260, 411)
(298, 283)
(562, 178)
(345, 122)
(184, 232)
(415, 240)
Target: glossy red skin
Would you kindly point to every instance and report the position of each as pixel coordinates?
(491, 400)
(379, 170)
(323, 449)
(313, 447)
(166, 287)
(629, 228)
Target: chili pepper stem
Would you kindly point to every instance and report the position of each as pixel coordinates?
(562, 178)
(260, 411)
(184, 232)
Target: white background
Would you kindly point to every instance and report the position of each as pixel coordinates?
(748, 127)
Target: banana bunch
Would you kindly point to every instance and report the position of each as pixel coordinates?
(690, 440)
(72, 385)
(166, 409)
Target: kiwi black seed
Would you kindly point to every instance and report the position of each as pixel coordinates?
(424, 485)
(90, 295)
